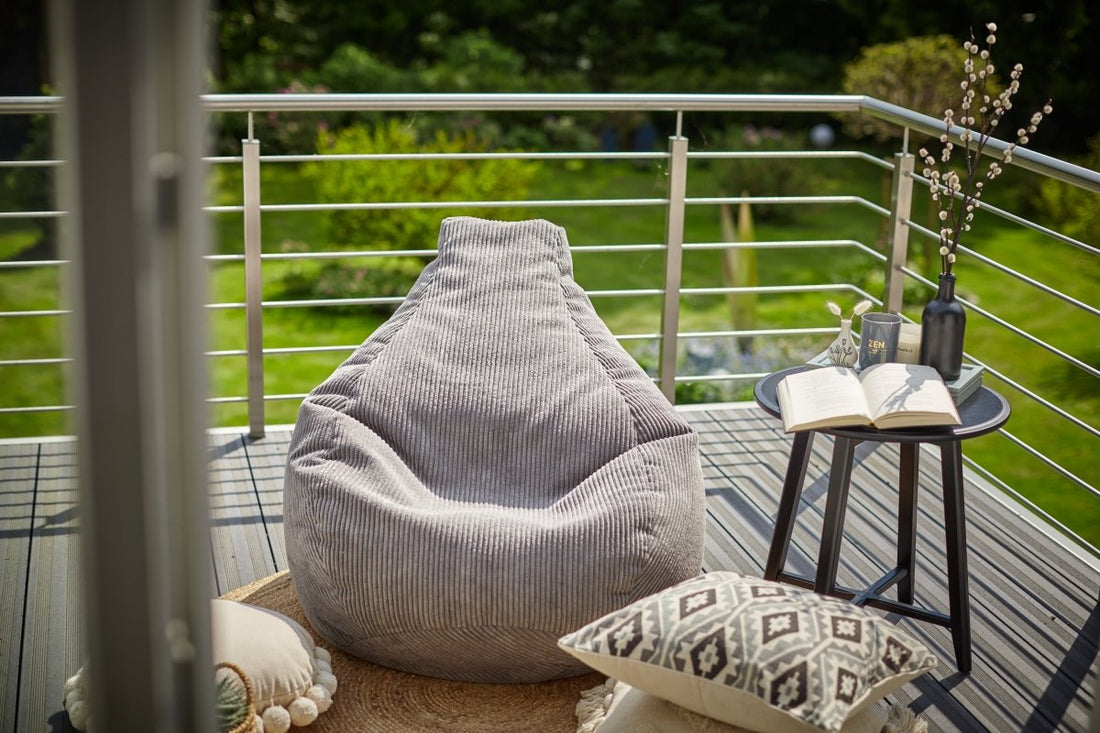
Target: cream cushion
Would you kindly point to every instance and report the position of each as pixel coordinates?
(291, 677)
(273, 650)
(634, 711)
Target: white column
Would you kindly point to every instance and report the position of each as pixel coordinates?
(132, 133)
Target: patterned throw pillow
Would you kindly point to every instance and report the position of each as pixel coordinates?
(753, 653)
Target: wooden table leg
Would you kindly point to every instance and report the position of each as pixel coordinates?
(954, 512)
(907, 518)
(788, 504)
(836, 503)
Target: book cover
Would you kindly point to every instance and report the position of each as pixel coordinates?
(967, 383)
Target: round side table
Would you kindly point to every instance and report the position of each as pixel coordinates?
(982, 413)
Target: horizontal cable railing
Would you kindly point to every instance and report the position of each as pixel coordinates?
(1016, 219)
(1068, 358)
(603, 248)
(31, 163)
(628, 293)
(348, 348)
(669, 163)
(35, 362)
(554, 203)
(34, 408)
(13, 264)
(511, 155)
(45, 214)
(975, 255)
(34, 314)
(788, 155)
(714, 200)
(676, 103)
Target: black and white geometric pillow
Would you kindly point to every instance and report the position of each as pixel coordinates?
(754, 653)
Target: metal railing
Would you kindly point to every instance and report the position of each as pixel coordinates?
(675, 203)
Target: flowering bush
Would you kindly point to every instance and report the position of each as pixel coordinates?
(980, 112)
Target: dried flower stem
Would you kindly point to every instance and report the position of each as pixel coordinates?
(860, 308)
(957, 200)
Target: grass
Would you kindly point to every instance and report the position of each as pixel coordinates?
(29, 289)
(15, 239)
(1067, 328)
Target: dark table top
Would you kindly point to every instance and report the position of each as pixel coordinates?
(983, 412)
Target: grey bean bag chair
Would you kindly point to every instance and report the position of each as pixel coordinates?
(488, 471)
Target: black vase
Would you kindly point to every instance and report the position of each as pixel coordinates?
(942, 324)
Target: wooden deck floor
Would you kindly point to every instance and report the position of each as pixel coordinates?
(1035, 610)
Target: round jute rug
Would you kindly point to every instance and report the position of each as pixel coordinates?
(376, 699)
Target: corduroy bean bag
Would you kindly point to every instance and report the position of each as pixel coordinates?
(488, 471)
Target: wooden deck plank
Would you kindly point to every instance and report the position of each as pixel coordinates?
(750, 464)
(759, 481)
(18, 468)
(1035, 609)
(267, 459)
(1002, 691)
(53, 634)
(1015, 676)
(239, 545)
(998, 691)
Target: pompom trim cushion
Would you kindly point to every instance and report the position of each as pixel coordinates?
(291, 677)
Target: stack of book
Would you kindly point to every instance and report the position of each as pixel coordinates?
(968, 382)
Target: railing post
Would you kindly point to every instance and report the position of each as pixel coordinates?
(674, 241)
(901, 204)
(253, 285)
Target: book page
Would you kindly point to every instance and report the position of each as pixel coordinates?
(825, 397)
(910, 394)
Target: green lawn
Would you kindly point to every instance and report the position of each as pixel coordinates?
(1069, 270)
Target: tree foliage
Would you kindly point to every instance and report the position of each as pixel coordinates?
(706, 46)
(920, 73)
(603, 45)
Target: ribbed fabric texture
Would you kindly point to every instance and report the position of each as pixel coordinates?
(488, 471)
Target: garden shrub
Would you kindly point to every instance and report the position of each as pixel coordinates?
(30, 189)
(920, 73)
(375, 277)
(398, 181)
(407, 180)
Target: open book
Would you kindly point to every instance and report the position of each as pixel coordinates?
(889, 395)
